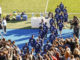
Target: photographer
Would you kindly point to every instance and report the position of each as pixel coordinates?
(75, 26)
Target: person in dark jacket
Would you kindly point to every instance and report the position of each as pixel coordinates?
(61, 6)
(75, 24)
(57, 10)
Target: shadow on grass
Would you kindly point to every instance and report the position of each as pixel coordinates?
(24, 22)
(28, 22)
(14, 21)
(29, 27)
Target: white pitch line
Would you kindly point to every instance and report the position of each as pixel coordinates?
(46, 6)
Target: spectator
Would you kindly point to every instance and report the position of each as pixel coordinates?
(39, 57)
(4, 24)
(67, 54)
(46, 57)
(72, 57)
(76, 51)
(32, 56)
(23, 13)
(8, 18)
(72, 45)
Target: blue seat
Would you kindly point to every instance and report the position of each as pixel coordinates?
(24, 17)
(18, 17)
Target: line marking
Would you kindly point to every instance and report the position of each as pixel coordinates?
(46, 6)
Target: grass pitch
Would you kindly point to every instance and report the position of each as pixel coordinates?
(9, 6)
(36, 6)
(29, 6)
(72, 5)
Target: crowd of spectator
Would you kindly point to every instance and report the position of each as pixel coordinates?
(68, 49)
(16, 16)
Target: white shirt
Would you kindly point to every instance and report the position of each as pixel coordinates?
(0, 10)
(73, 59)
(4, 23)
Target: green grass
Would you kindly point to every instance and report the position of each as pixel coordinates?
(19, 24)
(72, 5)
(8, 6)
